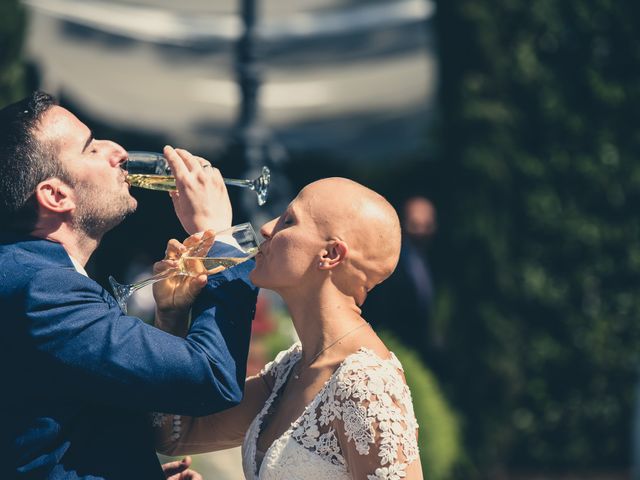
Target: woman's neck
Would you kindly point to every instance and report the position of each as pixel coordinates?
(320, 318)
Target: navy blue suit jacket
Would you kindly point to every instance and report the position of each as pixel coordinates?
(79, 375)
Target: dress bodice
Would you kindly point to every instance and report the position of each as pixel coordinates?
(360, 421)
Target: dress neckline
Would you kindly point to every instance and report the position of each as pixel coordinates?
(296, 353)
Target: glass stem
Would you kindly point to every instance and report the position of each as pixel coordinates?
(238, 183)
(156, 278)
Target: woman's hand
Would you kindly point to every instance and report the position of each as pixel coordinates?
(201, 200)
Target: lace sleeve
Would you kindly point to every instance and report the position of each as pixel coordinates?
(372, 414)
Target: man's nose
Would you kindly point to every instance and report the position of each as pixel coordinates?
(118, 154)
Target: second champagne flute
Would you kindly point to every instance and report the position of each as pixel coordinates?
(242, 242)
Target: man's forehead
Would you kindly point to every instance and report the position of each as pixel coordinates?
(58, 123)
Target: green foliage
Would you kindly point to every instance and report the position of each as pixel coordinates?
(439, 436)
(538, 255)
(282, 337)
(12, 73)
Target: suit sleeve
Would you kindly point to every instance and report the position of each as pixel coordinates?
(103, 355)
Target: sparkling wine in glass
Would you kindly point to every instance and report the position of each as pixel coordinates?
(151, 170)
(199, 259)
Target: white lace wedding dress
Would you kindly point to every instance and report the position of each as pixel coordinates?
(360, 425)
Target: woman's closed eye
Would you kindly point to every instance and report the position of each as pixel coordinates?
(286, 219)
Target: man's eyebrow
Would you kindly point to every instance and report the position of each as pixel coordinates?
(89, 139)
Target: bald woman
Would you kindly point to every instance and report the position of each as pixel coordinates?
(336, 404)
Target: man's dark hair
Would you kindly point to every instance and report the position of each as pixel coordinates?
(25, 161)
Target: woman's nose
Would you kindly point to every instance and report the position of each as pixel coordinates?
(267, 228)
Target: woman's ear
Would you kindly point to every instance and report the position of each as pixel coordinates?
(55, 195)
(334, 255)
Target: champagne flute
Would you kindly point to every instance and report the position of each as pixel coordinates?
(151, 170)
(198, 259)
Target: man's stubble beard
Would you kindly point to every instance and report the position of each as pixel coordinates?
(95, 214)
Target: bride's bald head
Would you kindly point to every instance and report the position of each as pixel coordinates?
(361, 218)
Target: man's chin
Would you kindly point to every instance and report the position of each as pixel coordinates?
(130, 211)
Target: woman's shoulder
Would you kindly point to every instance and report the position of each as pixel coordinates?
(368, 359)
(366, 372)
(371, 353)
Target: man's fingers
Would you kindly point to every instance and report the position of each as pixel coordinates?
(186, 475)
(179, 470)
(164, 265)
(194, 239)
(178, 167)
(203, 245)
(208, 234)
(213, 271)
(207, 242)
(189, 160)
(174, 468)
(204, 163)
(174, 249)
(190, 475)
(197, 284)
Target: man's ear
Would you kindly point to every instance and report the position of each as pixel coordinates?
(55, 195)
(334, 255)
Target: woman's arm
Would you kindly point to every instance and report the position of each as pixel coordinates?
(179, 435)
(175, 434)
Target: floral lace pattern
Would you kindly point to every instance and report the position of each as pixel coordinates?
(364, 407)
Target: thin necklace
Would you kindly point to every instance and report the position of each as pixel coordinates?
(296, 376)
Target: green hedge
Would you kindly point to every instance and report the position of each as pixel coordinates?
(537, 261)
(13, 85)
